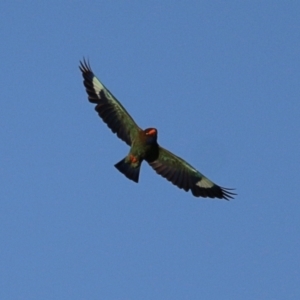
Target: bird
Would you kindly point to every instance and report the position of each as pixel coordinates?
(143, 144)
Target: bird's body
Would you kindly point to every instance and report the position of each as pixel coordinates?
(143, 144)
(144, 147)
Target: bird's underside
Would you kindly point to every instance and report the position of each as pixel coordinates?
(144, 144)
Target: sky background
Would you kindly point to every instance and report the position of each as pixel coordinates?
(220, 82)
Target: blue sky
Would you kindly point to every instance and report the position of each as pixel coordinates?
(220, 82)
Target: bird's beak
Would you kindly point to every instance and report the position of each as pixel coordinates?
(152, 132)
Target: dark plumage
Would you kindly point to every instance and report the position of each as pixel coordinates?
(143, 144)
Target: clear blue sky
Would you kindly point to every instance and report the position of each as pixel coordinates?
(220, 82)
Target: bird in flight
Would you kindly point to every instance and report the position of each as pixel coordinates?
(143, 144)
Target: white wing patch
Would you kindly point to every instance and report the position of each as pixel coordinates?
(205, 183)
(98, 86)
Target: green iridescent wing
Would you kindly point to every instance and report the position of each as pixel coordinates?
(183, 175)
(108, 107)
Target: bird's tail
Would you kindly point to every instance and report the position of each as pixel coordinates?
(129, 169)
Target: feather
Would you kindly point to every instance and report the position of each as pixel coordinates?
(108, 107)
(183, 175)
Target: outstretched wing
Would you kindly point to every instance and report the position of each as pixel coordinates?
(108, 107)
(180, 173)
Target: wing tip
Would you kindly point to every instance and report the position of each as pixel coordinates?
(227, 194)
(214, 192)
(84, 65)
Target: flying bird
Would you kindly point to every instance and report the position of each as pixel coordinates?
(143, 144)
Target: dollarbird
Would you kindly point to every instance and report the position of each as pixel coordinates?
(143, 144)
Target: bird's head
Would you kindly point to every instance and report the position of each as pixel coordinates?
(151, 135)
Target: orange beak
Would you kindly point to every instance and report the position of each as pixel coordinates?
(152, 132)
